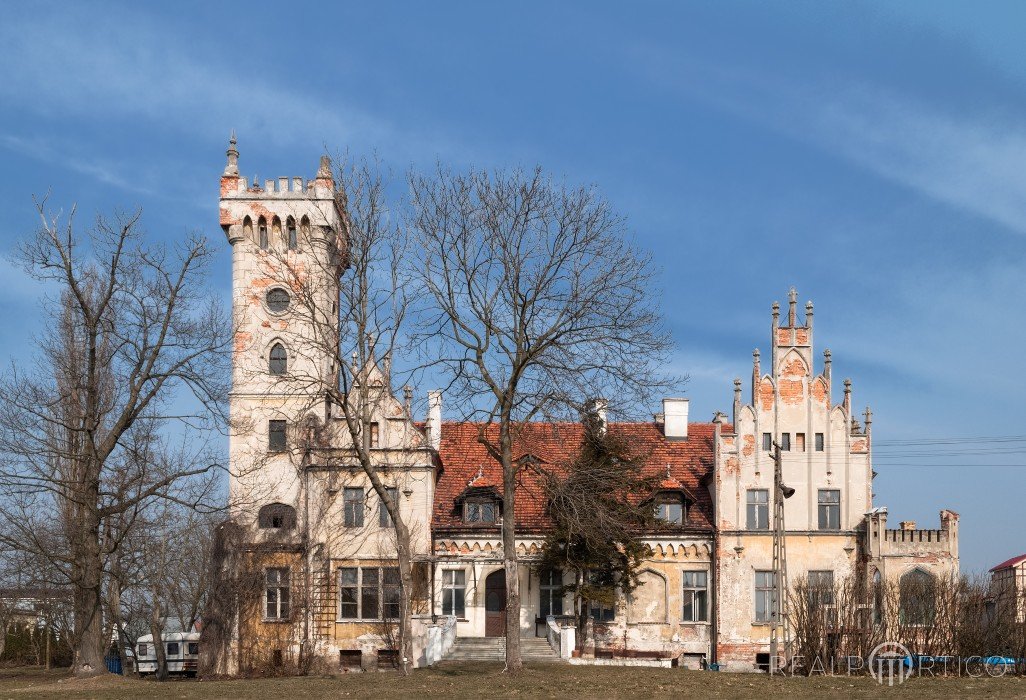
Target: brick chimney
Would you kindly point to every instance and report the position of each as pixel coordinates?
(907, 524)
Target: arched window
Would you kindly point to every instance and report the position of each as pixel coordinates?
(276, 230)
(278, 363)
(293, 237)
(262, 233)
(877, 598)
(247, 227)
(917, 591)
(276, 516)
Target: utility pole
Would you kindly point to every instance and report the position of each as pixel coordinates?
(779, 618)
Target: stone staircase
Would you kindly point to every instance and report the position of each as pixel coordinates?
(533, 650)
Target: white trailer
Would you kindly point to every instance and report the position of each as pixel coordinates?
(180, 648)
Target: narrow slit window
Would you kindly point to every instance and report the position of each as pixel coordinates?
(799, 442)
(293, 237)
(819, 442)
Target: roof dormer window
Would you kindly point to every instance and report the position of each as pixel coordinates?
(480, 510)
(671, 508)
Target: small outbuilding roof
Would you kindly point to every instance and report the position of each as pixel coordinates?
(1010, 563)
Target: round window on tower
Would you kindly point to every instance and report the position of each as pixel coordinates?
(278, 300)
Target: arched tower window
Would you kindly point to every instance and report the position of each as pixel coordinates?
(276, 516)
(262, 233)
(278, 363)
(293, 237)
(247, 227)
(276, 230)
(304, 225)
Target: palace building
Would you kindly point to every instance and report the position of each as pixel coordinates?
(312, 550)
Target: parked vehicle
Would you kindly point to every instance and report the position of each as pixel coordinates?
(180, 648)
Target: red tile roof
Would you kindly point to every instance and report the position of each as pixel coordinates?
(1010, 563)
(465, 463)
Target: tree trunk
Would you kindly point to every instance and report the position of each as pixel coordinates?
(158, 644)
(88, 602)
(405, 597)
(514, 662)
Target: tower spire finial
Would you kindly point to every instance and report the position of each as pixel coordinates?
(232, 167)
(792, 304)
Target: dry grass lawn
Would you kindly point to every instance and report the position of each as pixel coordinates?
(480, 680)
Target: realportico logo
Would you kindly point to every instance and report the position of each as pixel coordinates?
(887, 662)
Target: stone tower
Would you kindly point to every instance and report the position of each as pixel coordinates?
(288, 241)
(825, 458)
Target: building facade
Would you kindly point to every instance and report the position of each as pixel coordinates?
(313, 553)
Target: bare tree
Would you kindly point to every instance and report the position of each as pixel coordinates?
(535, 301)
(136, 341)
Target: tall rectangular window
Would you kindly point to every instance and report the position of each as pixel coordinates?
(764, 596)
(829, 509)
(384, 519)
(758, 509)
(349, 592)
(276, 436)
(821, 588)
(370, 594)
(352, 504)
(454, 588)
(819, 442)
(785, 442)
(390, 592)
(373, 434)
(696, 597)
(551, 592)
(767, 442)
(799, 442)
(276, 594)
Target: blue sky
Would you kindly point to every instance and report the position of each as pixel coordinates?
(872, 155)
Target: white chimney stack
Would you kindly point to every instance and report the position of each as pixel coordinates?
(675, 419)
(434, 419)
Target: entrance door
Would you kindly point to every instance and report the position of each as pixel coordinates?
(495, 604)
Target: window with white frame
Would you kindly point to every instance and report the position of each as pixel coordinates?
(765, 596)
(276, 593)
(696, 597)
(352, 507)
(551, 592)
(757, 509)
(454, 589)
(829, 509)
(368, 593)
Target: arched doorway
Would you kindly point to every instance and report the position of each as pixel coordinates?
(495, 604)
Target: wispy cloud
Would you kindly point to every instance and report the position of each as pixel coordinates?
(57, 64)
(971, 162)
(102, 170)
